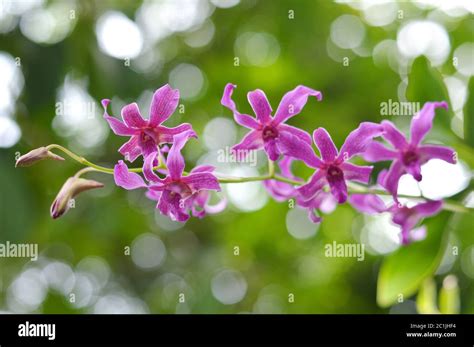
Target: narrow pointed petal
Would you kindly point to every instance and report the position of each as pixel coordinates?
(367, 203)
(175, 161)
(164, 103)
(219, 207)
(130, 149)
(327, 148)
(293, 102)
(271, 149)
(148, 171)
(429, 208)
(165, 134)
(357, 173)
(171, 206)
(242, 119)
(202, 180)
(421, 123)
(126, 179)
(147, 146)
(393, 177)
(315, 183)
(131, 116)
(427, 152)
(292, 146)
(252, 141)
(393, 135)
(117, 126)
(260, 105)
(313, 217)
(377, 152)
(359, 139)
(301, 134)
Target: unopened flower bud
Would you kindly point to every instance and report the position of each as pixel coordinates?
(69, 190)
(36, 155)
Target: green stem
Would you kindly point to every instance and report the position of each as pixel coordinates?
(453, 206)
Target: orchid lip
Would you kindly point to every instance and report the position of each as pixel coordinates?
(409, 157)
(334, 173)
(269, 133)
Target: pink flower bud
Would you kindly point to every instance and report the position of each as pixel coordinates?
(36, 155)
(69, 190)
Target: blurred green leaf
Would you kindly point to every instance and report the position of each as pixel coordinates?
(405, 270)
(449, 302)
(426, 298)
(469, 115)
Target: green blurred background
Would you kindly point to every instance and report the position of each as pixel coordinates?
(58, 59)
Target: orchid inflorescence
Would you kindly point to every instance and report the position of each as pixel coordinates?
(335, 180)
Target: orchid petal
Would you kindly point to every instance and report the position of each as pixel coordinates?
(293, 102)
(165, 134)
(338, 188)
(251, 141)
(367, 203)
(260, 105)
(164, 103)
(292, 146)
(393, 135)
(148, 171)
(377, 152)
(427, 152)
(201, 180)
(421, 123)
(175, 161)
(359, 139)
(242, 119)
(125, 179)
(392, 177)
(326, 146)
(315, 183)
(130, 149)
(131, 116)
(301, 134)
(117, 126)
(356, 173)
(271, 149)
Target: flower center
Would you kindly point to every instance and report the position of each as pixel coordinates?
(409, 157)
(179, 188)
(145, 137)
(269, 133)
(334, 173)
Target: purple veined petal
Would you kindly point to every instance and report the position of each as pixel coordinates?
(164, 103)
(428, 208)
(203, 168)
(125, 179)
(356, 173)
(147, 145)
(358, 140)
(285, 168)
(427, 152)
(148, 171)
(393, 177)
(293, 102)
(405, 235)
(301, 134)
(315, 183)
(260, 105)
(175, 161)
(165, 134)
(376, 151)
(117, 126)
(313, 217)
(271, 149)
(393, 135)
(292, 146)
(251, 141)
(338, 188)
(153, 194)
(279, 191)
(414, 169)
(130, 149)
(421, 123)
(367, 203)
(327, 148)
(201, 181)
(242, 119)
(132, 117)
(171, 206)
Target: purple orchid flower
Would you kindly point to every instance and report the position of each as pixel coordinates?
(282, 191)
(406, 217)
(176, 194)
(333, 168)
(408, 156)
(146, 135)
(269, 132)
